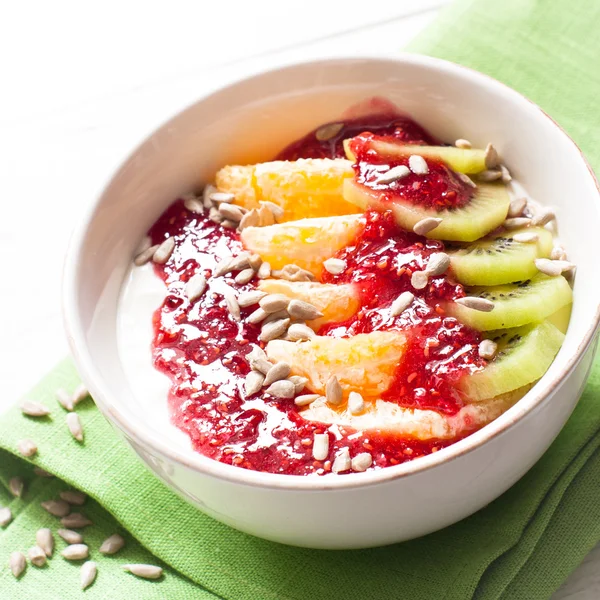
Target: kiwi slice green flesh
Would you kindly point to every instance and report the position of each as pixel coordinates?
(499, 258)
(515, 304)
(485, 211)
(524, 355)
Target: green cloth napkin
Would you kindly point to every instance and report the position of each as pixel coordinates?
(523, 545)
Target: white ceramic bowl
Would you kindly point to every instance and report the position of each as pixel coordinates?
(251, 121)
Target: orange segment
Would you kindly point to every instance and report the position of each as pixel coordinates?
(336, 302)
(306, 243)
(310, 187)
(365, 363)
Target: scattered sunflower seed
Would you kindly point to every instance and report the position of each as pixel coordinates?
(207, 192)
(516, 223)
(240, 262)
(64, 399)
(37, 556)
(516, 207)
(145, 571)
(543, 218)
(231, 302)
(34, 409)
(273, 330)
(58, 508)
(74, 497)
(27, 448)
(231, 212)
(553, 268)
(80, 393)
(438, 264)
(328, 132)
(320, 449)
(419, 280)
(266, 217)
(300, 332)
(195, 287)
(298, 309)
(112, 544)
(293, 273)
(5, 516)
(222, 197)
(75, 552)
(282, 389)
(491, 157)
(45, 540)
(249, 298)
(215, 216)
(74, 425)
(229, 224)
(273, 303)
(333, 391)
(487, 349)
(489, 175)
(418, 165)
(164, 251)
(505, 174)
(280, 314)
(75, 521)
(264, 271)
(250, 219)
(356, 403)
(194, 205)
(558, 253)
(306, 399)
(525, 237)
(278, 371)
(342, 461)
(361, 462)
(393, 174)
(223, 267)
(257, 316)
(70, 536)
(464, 144)
(466, 179)
(277, 210)
(244, 276)
(16, 486)
(424, 226)
(481, 304)
(255, 261)
(42, 472)
(335, 266)
(144, 257)
(401, 303)
(17, 563)
(89, 570)
(299, 382)
(253, 383)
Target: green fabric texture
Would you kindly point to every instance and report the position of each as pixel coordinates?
(523, 545)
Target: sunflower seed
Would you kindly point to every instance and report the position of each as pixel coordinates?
(26, 448)
(282, 389)
(505, 173)
(516, 207)
(393, 174)
(489, 175)
(112, 544)
(419, 280)
(320, 446)
(222, 197)
(426, 225)
(76, 552)
(516, 223)
(300, 332)
(356, 403)
(299, 382)
(215, 216)
(80, 393)
(74, 497)
(34, 409)
(42, 472)
(262, 365)
(243, 277)
(264, 271)
(194, 205)
(418, 164)
(250, 219)
(70, 536)
(293, 273)
(401, 303)
(487, 349)
(257, 316)
(223, 267)
(306, 399)
(335, 266)
(58, 508)
(5, 516)
(45, 540)
(144, 257)
(526, 238)
(74, 425)
(251, 297)
(298, 309)
(240, 262)
(545, 216)
(164, 251)
(361, 462)
(342, 461)
(277, 372)
(553, 268)
(333, 391)
(273, 330)
(466, 179)
(265, 216)
(328, 132)
(64, 399)
(231, 302)
(558, 253)
(277, 210)
(229, 224)
(464, 144)
(273, 303)
(16, 486)
(75, 521)
(207, 192)
(195, 287)
(17, 563)
(145, 571)
(481, 304)
(88, 573)
(280, 314)
(37, 556)
(256, 353)
(231, 212)
(491, 157)
(438, 264)
(253, 383)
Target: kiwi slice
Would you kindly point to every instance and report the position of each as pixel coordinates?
(524, 355)
(485, 211)
(515, 304)
(469, 161)
(561, 318)
(499, 259)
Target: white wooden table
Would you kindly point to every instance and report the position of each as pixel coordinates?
(83, 83)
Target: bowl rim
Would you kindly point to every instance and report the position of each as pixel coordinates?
(196, 461)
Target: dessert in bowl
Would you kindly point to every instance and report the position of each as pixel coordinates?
(358, 317)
